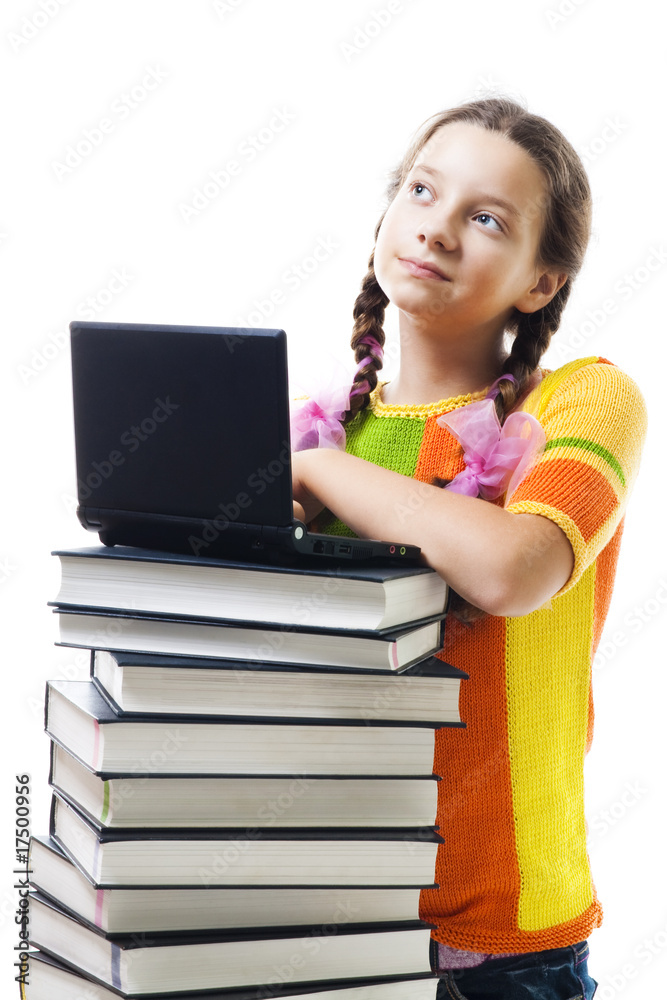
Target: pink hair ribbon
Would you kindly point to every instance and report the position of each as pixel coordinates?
(497, 458)
(315, 422)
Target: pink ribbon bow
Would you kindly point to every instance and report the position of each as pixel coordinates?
(316, 422)
(497, 458)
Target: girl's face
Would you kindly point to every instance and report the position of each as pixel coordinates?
(471, 208)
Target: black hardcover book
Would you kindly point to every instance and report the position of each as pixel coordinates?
(82, 721)
(144, 965)
(128, 800)
(426, 693)
(203, 908)
(364, 596)
(51, 979)
(245, 857)
(389, 649)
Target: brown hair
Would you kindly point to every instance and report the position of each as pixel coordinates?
(566, 215)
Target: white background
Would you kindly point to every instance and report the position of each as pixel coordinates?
(352, 92)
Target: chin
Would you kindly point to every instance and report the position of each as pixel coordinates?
(423, 308)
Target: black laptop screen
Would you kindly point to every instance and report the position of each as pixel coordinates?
(184, 421)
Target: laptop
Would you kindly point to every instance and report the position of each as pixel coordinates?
(183, 444)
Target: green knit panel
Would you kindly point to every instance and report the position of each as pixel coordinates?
(392, 442)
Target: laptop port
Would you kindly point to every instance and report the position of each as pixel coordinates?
(323, 548)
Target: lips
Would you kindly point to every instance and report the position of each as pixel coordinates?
(423, 269)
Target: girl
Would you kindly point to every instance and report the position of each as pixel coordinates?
(487, 222)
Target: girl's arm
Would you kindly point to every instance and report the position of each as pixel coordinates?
(506, 564)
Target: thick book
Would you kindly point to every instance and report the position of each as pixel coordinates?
(352, 597)
(245, 857)
(52, 980)
(133, 801)
(148, 964)
(149, 911)
(427, 692)
(390, 649)
(82, 721)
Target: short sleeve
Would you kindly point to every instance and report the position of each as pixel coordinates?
(594, 419)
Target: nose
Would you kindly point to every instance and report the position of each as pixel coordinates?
(438, 230)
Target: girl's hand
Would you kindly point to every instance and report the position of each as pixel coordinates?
(306, 504)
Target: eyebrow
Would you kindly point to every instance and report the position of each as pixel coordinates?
(490, 198)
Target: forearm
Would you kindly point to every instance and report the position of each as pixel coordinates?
(503, 563)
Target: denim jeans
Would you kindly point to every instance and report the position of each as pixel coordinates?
(557, 974)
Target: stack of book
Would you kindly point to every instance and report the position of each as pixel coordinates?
(243, 797)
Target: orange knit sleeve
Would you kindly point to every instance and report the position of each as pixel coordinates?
(594, 418)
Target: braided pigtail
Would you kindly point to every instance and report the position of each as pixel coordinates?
(367, 340)
(533, 332)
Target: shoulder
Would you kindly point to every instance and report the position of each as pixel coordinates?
(591, 412)
(592, 385)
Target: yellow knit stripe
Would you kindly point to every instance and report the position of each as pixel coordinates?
(538, 400)
(549, 681)
(419, 411)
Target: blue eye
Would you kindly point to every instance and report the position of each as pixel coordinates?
(491, 218)
(417, 188)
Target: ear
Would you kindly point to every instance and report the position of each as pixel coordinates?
(535, 298)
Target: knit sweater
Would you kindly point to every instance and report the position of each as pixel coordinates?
(513, 872)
